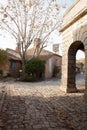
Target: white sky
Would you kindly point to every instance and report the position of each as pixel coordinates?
(8, 42)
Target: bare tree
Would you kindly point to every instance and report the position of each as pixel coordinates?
(27, 20)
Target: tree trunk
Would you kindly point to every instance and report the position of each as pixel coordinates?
(23, 66)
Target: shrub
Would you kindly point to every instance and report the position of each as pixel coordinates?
(56, 71)
(34, 68)
(28, 78)
(3, 55)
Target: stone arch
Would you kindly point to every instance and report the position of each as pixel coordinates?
(71, 80)
(80, 33)
(83, 33)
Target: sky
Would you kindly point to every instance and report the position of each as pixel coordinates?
(9, 42)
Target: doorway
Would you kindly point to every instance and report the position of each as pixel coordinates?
(72, 68)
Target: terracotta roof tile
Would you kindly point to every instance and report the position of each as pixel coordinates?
(12, 54)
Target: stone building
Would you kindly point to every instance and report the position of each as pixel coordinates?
(51, 60)
(74, 32)
(80, 63)
(13, 64)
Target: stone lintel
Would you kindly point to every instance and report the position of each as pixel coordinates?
(77, 17)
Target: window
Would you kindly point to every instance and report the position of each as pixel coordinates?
(12, 65)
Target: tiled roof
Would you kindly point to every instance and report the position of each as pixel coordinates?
(45, 54)
(12, 54)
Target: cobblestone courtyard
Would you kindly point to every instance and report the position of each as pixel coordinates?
(41, 106)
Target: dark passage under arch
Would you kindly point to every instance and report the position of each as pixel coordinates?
(71, 80)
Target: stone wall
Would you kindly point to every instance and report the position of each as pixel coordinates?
(74, 32)
(50, 63)
(4, 67)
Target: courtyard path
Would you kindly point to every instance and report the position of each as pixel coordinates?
(41, 106)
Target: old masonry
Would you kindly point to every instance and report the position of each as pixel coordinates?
(74, 32)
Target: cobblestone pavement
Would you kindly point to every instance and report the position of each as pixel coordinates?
(41, 106)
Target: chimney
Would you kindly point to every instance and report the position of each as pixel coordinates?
(37, 42)
(56, 48)
(16, 49)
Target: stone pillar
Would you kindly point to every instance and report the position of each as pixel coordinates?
(63, 86)
(85, 94)
(71, 84)
(69, 71)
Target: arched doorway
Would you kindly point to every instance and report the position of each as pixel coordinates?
(80, 70)
(71, 79)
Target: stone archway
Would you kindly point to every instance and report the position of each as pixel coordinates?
(71, 79)
(74, 33)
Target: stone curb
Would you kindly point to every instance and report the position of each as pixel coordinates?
(3, 92)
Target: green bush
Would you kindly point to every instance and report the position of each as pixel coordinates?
(28, 78)
(3, 55)
(56, 71)
(34, 68)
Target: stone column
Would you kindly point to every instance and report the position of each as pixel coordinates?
(71, 84)
(69, 72)
(63, 86)
(85, 72)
